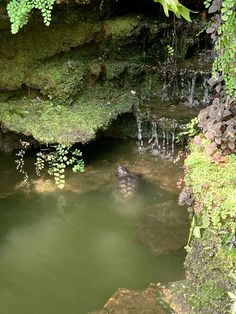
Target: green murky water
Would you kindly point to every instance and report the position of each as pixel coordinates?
(69, 251)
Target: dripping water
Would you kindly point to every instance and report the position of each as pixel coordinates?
(192, 91)
(139, 130)
(172, 143)
(154, 138)
(206, 91)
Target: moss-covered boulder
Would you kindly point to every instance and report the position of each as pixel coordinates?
(48, 122)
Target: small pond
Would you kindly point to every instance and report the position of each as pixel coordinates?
(68, 251)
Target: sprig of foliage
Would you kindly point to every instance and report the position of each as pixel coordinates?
(19, 10)
(225, 62)
(58, 157)
(191, 130)
(176, 7)
(207, 3)
(170, 50)
(20, 160)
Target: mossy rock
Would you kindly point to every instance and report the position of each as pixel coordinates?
(122, 27)
(20, 52)
(60, 79)
(50, 123)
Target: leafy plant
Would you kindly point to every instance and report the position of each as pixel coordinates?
(218, 123)
(191, 130)
(58, 157)
(19, 10)
(223, 33)
(176, 7)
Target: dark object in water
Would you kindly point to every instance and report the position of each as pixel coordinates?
(128, 182)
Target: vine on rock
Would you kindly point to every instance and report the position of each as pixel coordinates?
(223, 34)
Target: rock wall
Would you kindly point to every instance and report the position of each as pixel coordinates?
(65, 82)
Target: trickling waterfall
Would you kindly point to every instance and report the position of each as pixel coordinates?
(163, 148)
(192, 91)
(172, 143)
(187, 84)
(139, 130)
(154, 138)
(206, 91)
(163, 140)
(158, 140)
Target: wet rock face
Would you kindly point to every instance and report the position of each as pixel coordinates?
(128, 182)
(97, 59)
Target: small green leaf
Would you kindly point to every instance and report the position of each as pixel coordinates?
(197, 232)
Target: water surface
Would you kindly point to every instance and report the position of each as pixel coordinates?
(69, 251)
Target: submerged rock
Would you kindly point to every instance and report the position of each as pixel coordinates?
(164, 227)
(125, 301)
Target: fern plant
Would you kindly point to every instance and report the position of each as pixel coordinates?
(57, 158)
(19, 10)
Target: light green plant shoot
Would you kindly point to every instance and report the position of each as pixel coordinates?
(176, 7)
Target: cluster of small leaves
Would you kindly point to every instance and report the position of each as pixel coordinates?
(223, 33)
(57, 158)
(170, 50)
(20, 161)
(191, 130)
(170, 53)
(218, 123)
(214, 8)
(207, 3)
(19, 10)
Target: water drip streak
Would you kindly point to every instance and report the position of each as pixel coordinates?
(154, 139)
(172, 143)
(139, 130)
(206, 91)
(192, 91)
(164, 140)
(167, 142)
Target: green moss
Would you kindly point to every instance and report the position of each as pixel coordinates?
(60, 79)
(49, 123)
(208, 295)
(214, 186)
(210, 263)
(96, 67)
(25, 48)
(121, 27)
(208, 277)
